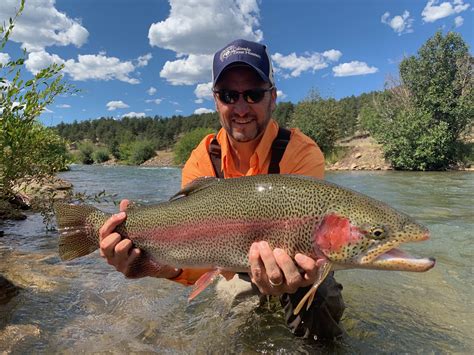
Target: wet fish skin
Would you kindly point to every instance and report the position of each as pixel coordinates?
(212, 223)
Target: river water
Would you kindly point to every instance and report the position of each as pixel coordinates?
(84, 306)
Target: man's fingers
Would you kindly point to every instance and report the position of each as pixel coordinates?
(124, 205)
(309, 265)
(107, 245)
(274, 274)
(257, 269)
(110, 225)
(286, 264)
(122, 249)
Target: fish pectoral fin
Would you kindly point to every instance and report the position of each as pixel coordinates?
(323, 272)
(204, 281)
(194, 186)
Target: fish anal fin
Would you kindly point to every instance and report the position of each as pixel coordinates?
(323, 272)
(204, 281)
(194, 186)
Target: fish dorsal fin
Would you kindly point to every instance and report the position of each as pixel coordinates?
(194, 186)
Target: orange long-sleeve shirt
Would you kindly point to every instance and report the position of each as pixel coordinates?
(302, 156)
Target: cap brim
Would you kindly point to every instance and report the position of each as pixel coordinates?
(242, 64)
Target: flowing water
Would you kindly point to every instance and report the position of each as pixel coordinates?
(84, 306)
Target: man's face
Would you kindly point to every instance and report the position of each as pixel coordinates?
(244, 121)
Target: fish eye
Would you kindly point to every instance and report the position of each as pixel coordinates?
(377, 233)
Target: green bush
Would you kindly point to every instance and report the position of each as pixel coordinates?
(188, 142)
(86, 150)
(100, 155)
(140, 151)
(319, 119)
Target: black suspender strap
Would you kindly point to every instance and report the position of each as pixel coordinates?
(278, 149)
(215, 155)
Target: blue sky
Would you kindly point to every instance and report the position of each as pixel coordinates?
(153, 57)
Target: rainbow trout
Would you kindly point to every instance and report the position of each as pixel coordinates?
(211, 223)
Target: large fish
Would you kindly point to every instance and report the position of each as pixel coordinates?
(211, 223)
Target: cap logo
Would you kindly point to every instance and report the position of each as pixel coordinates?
(233, 50)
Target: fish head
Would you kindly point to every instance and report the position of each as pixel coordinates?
(367, 233)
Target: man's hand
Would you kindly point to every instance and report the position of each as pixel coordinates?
(121, 254)
(274, 271)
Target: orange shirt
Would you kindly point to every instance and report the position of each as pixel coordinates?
(302, 156)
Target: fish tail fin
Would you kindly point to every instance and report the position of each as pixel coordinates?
(77, 234)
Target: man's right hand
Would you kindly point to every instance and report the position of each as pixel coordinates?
(121, 254)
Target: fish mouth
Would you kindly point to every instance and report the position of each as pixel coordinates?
(398, 260)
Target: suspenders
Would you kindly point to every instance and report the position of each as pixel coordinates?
(278, 149)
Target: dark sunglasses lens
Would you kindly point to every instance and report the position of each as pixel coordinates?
(254, 96)
(228, 96)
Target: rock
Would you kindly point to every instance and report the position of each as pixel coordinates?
(9, 211)
(7, 290)
(358, 155)
(354, 166)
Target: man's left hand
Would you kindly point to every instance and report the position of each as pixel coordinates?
(274, 272)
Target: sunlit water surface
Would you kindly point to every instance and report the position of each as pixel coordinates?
(83, 306)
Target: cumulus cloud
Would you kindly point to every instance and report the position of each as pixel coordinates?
(4, 58)
(202, 27)
(202, 110)
(400, 24)
(151, 91)
(143, 60)
(203, 91)
(433, 12)
(134, 114)
(41, 25)
(458, 21)
(196, 29)
(155, 101)
(353, 68)
(188, 71)
(63, 106)
(293, 65)
(281, 95)
(113, 105)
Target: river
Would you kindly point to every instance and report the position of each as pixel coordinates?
(83, 306)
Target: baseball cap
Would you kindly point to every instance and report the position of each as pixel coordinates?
(244, 52)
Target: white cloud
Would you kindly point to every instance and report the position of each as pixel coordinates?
(202, 27)
(400, 24)
(353, 68)
(47, 110)
(41, 25)
(188, 71)
(203, 91)
(281, 95)
(155, 101)
(143, 60)
(87, 67)
(202, 110)
(296, 65)
(100, 67)
(151, 91)
(4, 58)
(113, 105)
(63, 106)
(134, 114)
(199, 101)
(433, 12)
(458, 21)
(332, 55)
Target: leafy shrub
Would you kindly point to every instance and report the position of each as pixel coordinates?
(140, 151)
(100, 155)
(86, 149)
(188, 142)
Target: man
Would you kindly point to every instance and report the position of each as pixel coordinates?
(245, 97)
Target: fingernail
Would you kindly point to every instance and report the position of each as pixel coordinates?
(278, 251)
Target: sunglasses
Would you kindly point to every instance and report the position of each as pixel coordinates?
(252, 96)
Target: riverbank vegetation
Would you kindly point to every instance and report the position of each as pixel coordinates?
(29, 151)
